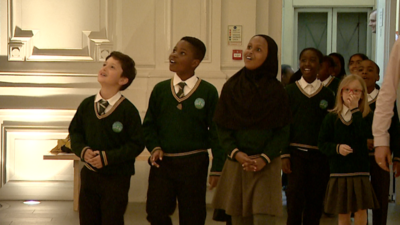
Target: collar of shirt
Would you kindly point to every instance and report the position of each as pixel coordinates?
(346, 113)
(326, 81)
(373, 94)
(111, 101)
(310, 88)
(190, 83)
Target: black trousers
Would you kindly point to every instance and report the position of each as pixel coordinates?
(380, 180)
(178, 178)
(102, 199)
(306, 187)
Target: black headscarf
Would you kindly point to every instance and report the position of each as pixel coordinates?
(254, 99)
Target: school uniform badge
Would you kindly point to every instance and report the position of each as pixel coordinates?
(323, 104)
(117, 127)
(199, 103)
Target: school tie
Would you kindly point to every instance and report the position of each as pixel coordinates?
(102, 106)
(180, 93)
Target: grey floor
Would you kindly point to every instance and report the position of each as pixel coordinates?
(61, 213)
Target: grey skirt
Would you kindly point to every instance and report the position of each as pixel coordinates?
(349, 194)
(242, 193)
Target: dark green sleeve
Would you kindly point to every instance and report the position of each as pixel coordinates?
(277, 144)
(394, 132)
(134, 144)
(227, 141)
(77, 133)
(150, 123)
(216, 148)
(286, 151)
(326, 144)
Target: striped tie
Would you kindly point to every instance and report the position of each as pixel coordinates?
(102, 106)
(180, 93)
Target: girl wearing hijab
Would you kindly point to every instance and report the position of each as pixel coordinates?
(252, 118)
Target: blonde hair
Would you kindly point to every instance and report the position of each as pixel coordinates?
(362, 103)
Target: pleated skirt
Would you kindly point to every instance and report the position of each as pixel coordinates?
(349, 194)
(242, 193)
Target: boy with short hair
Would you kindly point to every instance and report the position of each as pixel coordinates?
(178, 131)
(106, 134)
(380, 178)
(325, 74)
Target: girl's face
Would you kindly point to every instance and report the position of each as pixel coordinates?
(354, 63)
(309, 65)
(354, 89)
(368, 71)
(338, 66)
(256, 52)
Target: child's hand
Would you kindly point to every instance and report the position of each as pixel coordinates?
(396, 168)
(286, 166)
(213, 181)
(345, 150)
(157, 155)
(96, 161)
(243, 158)
(370, 144)
(256, 165)
(352, 101)
(89, 154)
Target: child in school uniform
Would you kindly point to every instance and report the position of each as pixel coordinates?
(178, 131)
(306, 166)
(106, 134)
(343, 138)
(325, 74)
(380, 179)
(253, 117)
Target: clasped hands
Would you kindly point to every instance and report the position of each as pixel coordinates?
(93, 158)
(250, 164)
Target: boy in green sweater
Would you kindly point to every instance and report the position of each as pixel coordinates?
(106, 134)
(178, 131)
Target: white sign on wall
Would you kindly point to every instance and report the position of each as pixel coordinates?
(234, 35)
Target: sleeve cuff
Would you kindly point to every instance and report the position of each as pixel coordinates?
(355, 110)
(104, 159)
(83, 152)
(337, 149)
(215, 173)
(233, 153)
(155, 149)
(397, 159)
(383, 140)
(266, 158)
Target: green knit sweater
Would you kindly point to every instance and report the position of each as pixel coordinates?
(333, 85)
(308, 113)
(117, 135)
(334, 132)
(179, 126)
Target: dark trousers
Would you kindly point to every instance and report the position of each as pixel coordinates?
(178, 178)
(102, 199)
(306, 187)
(380, 180)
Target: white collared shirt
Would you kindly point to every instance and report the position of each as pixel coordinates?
(373, 94)
(346, 113)
(111, 101)
(310, 88)
(326, 81)
(190, 83)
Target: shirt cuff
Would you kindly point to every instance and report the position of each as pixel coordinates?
(383, 140)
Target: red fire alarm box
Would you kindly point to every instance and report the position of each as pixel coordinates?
(237, 54)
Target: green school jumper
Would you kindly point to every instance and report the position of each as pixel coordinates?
(117, 135)
(333, 85)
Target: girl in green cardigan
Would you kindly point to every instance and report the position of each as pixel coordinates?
(343, 138)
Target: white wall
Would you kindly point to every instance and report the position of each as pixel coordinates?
(51, 54)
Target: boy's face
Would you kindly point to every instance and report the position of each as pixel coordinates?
(256, 53)
(309, 65)
(354, 63)
(368, 71)
(110, 73)
(338, 66)
(372, 21)
(182, 60)
(325, 71)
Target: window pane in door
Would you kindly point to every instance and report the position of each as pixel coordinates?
(351, 34)
(312, 31)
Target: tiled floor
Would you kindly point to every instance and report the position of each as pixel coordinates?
(61, 213)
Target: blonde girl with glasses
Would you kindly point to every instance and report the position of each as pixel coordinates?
(343, 138)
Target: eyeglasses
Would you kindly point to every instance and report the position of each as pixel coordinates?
(355, 91)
